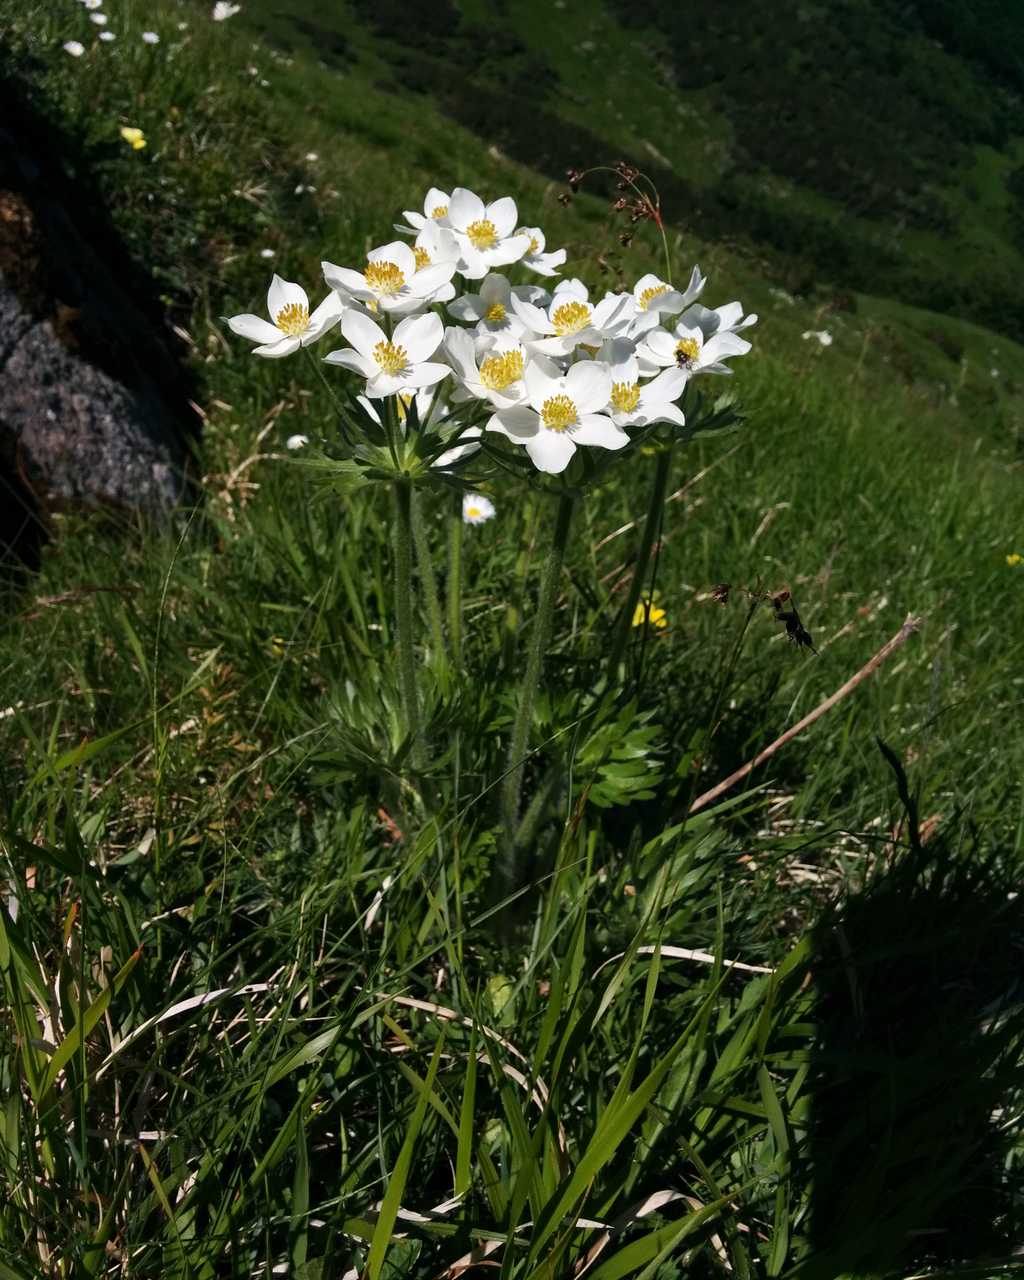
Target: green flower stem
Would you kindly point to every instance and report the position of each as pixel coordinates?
(655, 507)
(428, 579)
(454, 584)
(519, 742)
(403, 612)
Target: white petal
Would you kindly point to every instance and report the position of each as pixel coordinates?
(346, 280)
(328, 313)
(589, 384)
(275, 350)
(419, 335)
(723, 345)
(534, 319)
(551, 451)
(545, 264)
(461, 351)
(435, 199)
(283, 293)
(503, 214)
(397, 252)
(430, 279)
(467, 308)
(463, 208)
(253, 328)
(506, 251)
(519, 424)
(661, 347)
(666, 387)
(425, 375)
(595, 429)
(542, 380)
(349, 359)
(495, 288)
(362, 332)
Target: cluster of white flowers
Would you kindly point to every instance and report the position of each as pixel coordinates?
(547, 370)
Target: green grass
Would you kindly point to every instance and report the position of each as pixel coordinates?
(260, 1002)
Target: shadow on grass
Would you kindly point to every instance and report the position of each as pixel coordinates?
(918, 1067)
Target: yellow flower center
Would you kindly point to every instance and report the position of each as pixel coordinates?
(687, 351)
(625, 396)
(384, 277)
(472, 513)
(422, 258)
(390, 359)
(293, 319)
(496, 313)
(439, 211)
(570, 317)
(496, 372)
(559, 413)
(482, 234)
(534, 246)
(648, 295)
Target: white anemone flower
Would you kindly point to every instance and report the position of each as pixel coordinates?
(688, 349)
(486, 233)
(436, 245)
(391, 282)
(92, 4)
(571, 321)
(636, 404)
(293, 326)
(544, 264)
(296, 442)
(564, 411)
(435, 209)
(497, 377)
(491, 309)
(150, 37)
(107, 36)
(654, 298)
(476, 509)
(396, 365)
(74, 47)
(222, 10)
(100, 19)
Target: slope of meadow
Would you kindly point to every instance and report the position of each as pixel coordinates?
(261, 997)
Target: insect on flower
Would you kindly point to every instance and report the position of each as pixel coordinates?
(795, 629)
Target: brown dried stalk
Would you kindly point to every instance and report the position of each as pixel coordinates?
(910, 625)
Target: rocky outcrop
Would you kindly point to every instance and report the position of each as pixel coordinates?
(93, 397)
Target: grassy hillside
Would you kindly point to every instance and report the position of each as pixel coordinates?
(263, 1001)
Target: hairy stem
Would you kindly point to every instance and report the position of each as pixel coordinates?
(403, 613)
(454, 584)
(659, 490)
(428, 579)
(519, 742)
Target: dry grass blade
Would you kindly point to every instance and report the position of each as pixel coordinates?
(686, 953)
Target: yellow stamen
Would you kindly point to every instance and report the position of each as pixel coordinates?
(390, 359)
(534, 246)
(293, 319)
(439, 211)
(422, 258)
(482, 234)
(570, 317)
(384, 277)
(559, 413)
(687, 352)
(497, 372)
(496, 313)
(472, 513)
(625, 396)
(648, 295)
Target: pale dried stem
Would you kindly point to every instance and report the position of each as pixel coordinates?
(910, 625)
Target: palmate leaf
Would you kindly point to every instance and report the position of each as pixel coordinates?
(618, 761)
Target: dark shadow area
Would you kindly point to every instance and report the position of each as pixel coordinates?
(94, 396)
(918, 1066)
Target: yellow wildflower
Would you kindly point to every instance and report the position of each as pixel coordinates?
(135, 138)
(647, 611)
(1014, 559)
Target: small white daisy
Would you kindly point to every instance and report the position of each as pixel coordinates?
(476, 509)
